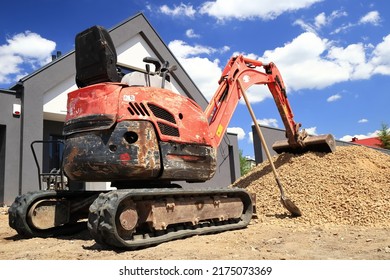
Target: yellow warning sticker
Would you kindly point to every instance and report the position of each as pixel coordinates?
(219, 130)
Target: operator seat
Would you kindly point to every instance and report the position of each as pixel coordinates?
(96, 57)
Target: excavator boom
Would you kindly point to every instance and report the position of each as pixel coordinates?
(248, 72)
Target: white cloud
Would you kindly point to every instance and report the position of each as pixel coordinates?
(333, 97)
(225, 49)
(181, 10)
(311, 130)
(320, 20)
(307, 62)
(182, 50)
(195, 59)
(343, 28)
(26, 49)
(204, 71)
(308, 27)
(348, 138)
(256, 94)
(312, 62)
(372, 17)
(337, 14)
(381, 57)
(268, 122)
(190, 33)
(363, 121)
(304, 65)
(250, 137)
(244, 9)
(237, 130)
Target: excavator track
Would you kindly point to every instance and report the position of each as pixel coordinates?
(50, 213)
(140, 218)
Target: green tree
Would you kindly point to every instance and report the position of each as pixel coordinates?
(384, 136)
(244, 164)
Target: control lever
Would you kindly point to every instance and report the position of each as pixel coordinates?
(147, 66)
(164, 71)
(154, 61)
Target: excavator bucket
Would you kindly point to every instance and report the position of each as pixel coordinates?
(320, 143)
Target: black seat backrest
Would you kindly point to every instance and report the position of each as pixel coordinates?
(96, 57)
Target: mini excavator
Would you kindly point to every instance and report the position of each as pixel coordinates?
(132, 130)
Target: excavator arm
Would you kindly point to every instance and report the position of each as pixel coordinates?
(248, 72)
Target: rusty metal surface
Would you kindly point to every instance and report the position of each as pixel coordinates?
(127, 218)
(193, 163)
(131, 152)
(46, 214)
(46, 205)
(89, 123)
(128, 152)
(192, 210)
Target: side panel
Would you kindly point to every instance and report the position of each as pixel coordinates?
(192, 163)
(176, 117)
(128, 152)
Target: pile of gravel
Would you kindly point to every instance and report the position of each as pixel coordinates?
(348, 187)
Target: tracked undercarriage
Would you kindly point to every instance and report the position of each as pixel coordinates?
(131, 218)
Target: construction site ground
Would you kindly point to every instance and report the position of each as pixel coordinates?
(277, 240)
(344, 197)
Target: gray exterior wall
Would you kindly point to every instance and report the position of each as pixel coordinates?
(10, 146)
(32, 88)
(270, 136)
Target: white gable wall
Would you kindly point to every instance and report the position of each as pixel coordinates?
(54, 100)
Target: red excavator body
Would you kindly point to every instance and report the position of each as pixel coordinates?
(116, 132)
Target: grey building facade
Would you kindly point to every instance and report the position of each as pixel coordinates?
(42, 99)
(10, 144)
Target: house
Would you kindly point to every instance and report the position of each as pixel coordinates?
(371, 142)
(250, 161)
(35, 109)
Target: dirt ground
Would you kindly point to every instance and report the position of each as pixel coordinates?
(269, 238)
(344, 197)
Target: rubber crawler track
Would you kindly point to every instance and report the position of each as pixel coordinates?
(18, 212)
(102, 217)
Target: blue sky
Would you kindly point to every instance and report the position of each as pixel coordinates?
(334, 55)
